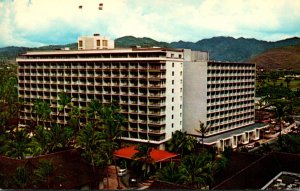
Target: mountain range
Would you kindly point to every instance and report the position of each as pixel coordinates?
(219, 48)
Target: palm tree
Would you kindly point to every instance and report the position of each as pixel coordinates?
(19, 145)
(181, 143)
(41, 109)
(63, 101)
(74, 121)
(282, 108)
(41, 140)
(202, 130)
(93, 112)
(21, 178)
(143, 158)
(112, 121)
(44, 171)
(169, 173)
(288, 81)
(60, 137)
(196, 170)
(90, 141)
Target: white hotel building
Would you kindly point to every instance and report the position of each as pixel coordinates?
(160, 90)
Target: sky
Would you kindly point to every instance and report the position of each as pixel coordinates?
(33, 23)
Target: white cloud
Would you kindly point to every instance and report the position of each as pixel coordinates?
(61, 21)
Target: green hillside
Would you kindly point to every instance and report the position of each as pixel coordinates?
(284, 58)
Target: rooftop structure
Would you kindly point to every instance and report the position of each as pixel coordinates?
(95, 42)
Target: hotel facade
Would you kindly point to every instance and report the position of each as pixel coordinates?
(159, 90)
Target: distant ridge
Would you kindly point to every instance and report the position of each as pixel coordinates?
(220, 48)
(128, 41)
(284, 58)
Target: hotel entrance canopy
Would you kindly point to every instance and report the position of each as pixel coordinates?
(156, 155)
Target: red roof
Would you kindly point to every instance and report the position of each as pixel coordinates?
(156, 155)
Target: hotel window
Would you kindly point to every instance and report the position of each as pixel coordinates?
(173, 73)
(172, 90)
(98, 42)
(80, 43)
(172, 82)
(172, 125)
(172, 99)
(172, 108)
(173, 64)
(172, 116)
(104, 42)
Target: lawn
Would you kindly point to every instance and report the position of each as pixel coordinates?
(294, 84)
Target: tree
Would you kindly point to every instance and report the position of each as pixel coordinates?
(60, 137)
(264, 149)
(44, 171)
(169, 173)
(9, 105)
(18, 145)
(93, 112)
(181, 143)
(74, 121)
(112, 121)
(41, 140)
(91, 141)
(42, 110)
(282, 108)
(289, 143)
(288, 81)
(63, 101)
(196, 170)
(21, 178)
(143, 159)
(202, 130)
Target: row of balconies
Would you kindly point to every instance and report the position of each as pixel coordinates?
(223, 95)
(118, 84)
(134, 136)
(150, 104)
(227, 107)
(241, 120)
(224, 105)
(227, 127)
(232, 67)
(142, 112)
(239, 102)
(152, 77)
(96, 67)
(231, 81)
(104, 74)
(241, 96)
(231, 75)
(88, 91)
(149, 122)
(140, 130)
(231, 88)
(232, 114)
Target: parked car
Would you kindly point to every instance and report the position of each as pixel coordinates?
(132, 181)
(250, 146)
(122, 172)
